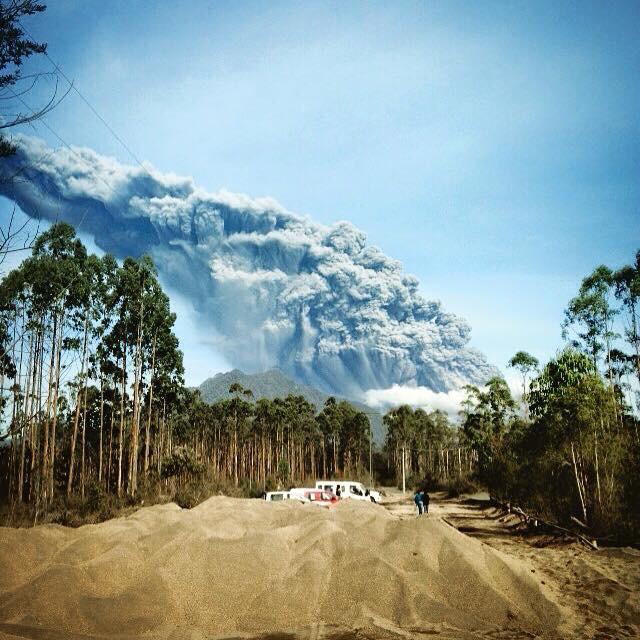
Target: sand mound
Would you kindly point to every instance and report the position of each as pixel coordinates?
(236, 567)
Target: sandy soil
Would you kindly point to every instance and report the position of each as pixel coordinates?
(246, 568)
(598, 592)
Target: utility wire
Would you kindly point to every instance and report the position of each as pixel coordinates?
(72, 86)
(58, 71)
(69, 147)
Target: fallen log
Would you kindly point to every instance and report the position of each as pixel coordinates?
(535, 521)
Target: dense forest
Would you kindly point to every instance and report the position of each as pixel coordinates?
(423, 448)
(572, 446)
(90, 371)
(96, 414)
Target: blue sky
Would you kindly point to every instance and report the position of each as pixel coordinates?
(493, 148)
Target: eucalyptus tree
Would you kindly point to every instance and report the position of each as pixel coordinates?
(355, 437)
(330, 426)
(69, 320)
(162, 358)
(302, 434)
(486, 416)
(102, 366)
(241, 410)
(264, 423)
(399, 423)
(627, 290)
(431, 436)
(90, 306)
(526, 364)
(577, 425)
(53, 285)
(12, 310)
(142, 342)
(559, 374)
(622, 368)
(591, 315)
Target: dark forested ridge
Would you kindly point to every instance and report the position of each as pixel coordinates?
(268, 384)
(273, 384)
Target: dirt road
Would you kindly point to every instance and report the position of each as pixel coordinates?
(598, 592)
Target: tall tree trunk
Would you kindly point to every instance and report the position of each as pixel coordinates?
(235, 450)
(24, 421)
(14, 414)
(110, 458)
(54, 420)
(76, 419)
(84, 438)
(578, 484)
(101, 429)
(135, 419)
(149, 411)
(47, 420)
(35, 401)
(121, 434)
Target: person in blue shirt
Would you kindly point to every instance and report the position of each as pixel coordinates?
(418, 500)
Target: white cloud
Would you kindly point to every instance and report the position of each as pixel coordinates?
(417, 397)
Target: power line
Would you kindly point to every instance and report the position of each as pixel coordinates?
(72, 86)
(66, 145)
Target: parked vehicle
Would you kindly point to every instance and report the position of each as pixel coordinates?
(277, 496)
(349, 489)
(315, 495)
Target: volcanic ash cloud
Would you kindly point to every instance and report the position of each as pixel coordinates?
(277, 288)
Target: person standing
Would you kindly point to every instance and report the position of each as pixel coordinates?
(425, 501)
(418, 500)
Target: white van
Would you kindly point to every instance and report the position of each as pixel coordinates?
(349, 489)
(277, 496)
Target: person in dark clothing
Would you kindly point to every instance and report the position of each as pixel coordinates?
(418, 500)
(338, 492)
(425, 501)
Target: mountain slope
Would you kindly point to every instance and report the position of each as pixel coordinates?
(275, 384)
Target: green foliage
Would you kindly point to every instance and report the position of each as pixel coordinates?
(524, 362)
(559, 376)
(15, 48)
(459, 485)
(96, 497)
(487, 415)
(591, 314)
(579, 455)
(284, 470)
(181, 463)
(272, 384)
(627, 291)
(419, 437)
(189, 496)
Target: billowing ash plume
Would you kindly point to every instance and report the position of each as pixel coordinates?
(280, 290)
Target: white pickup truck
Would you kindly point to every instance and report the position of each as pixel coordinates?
(349, 489)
